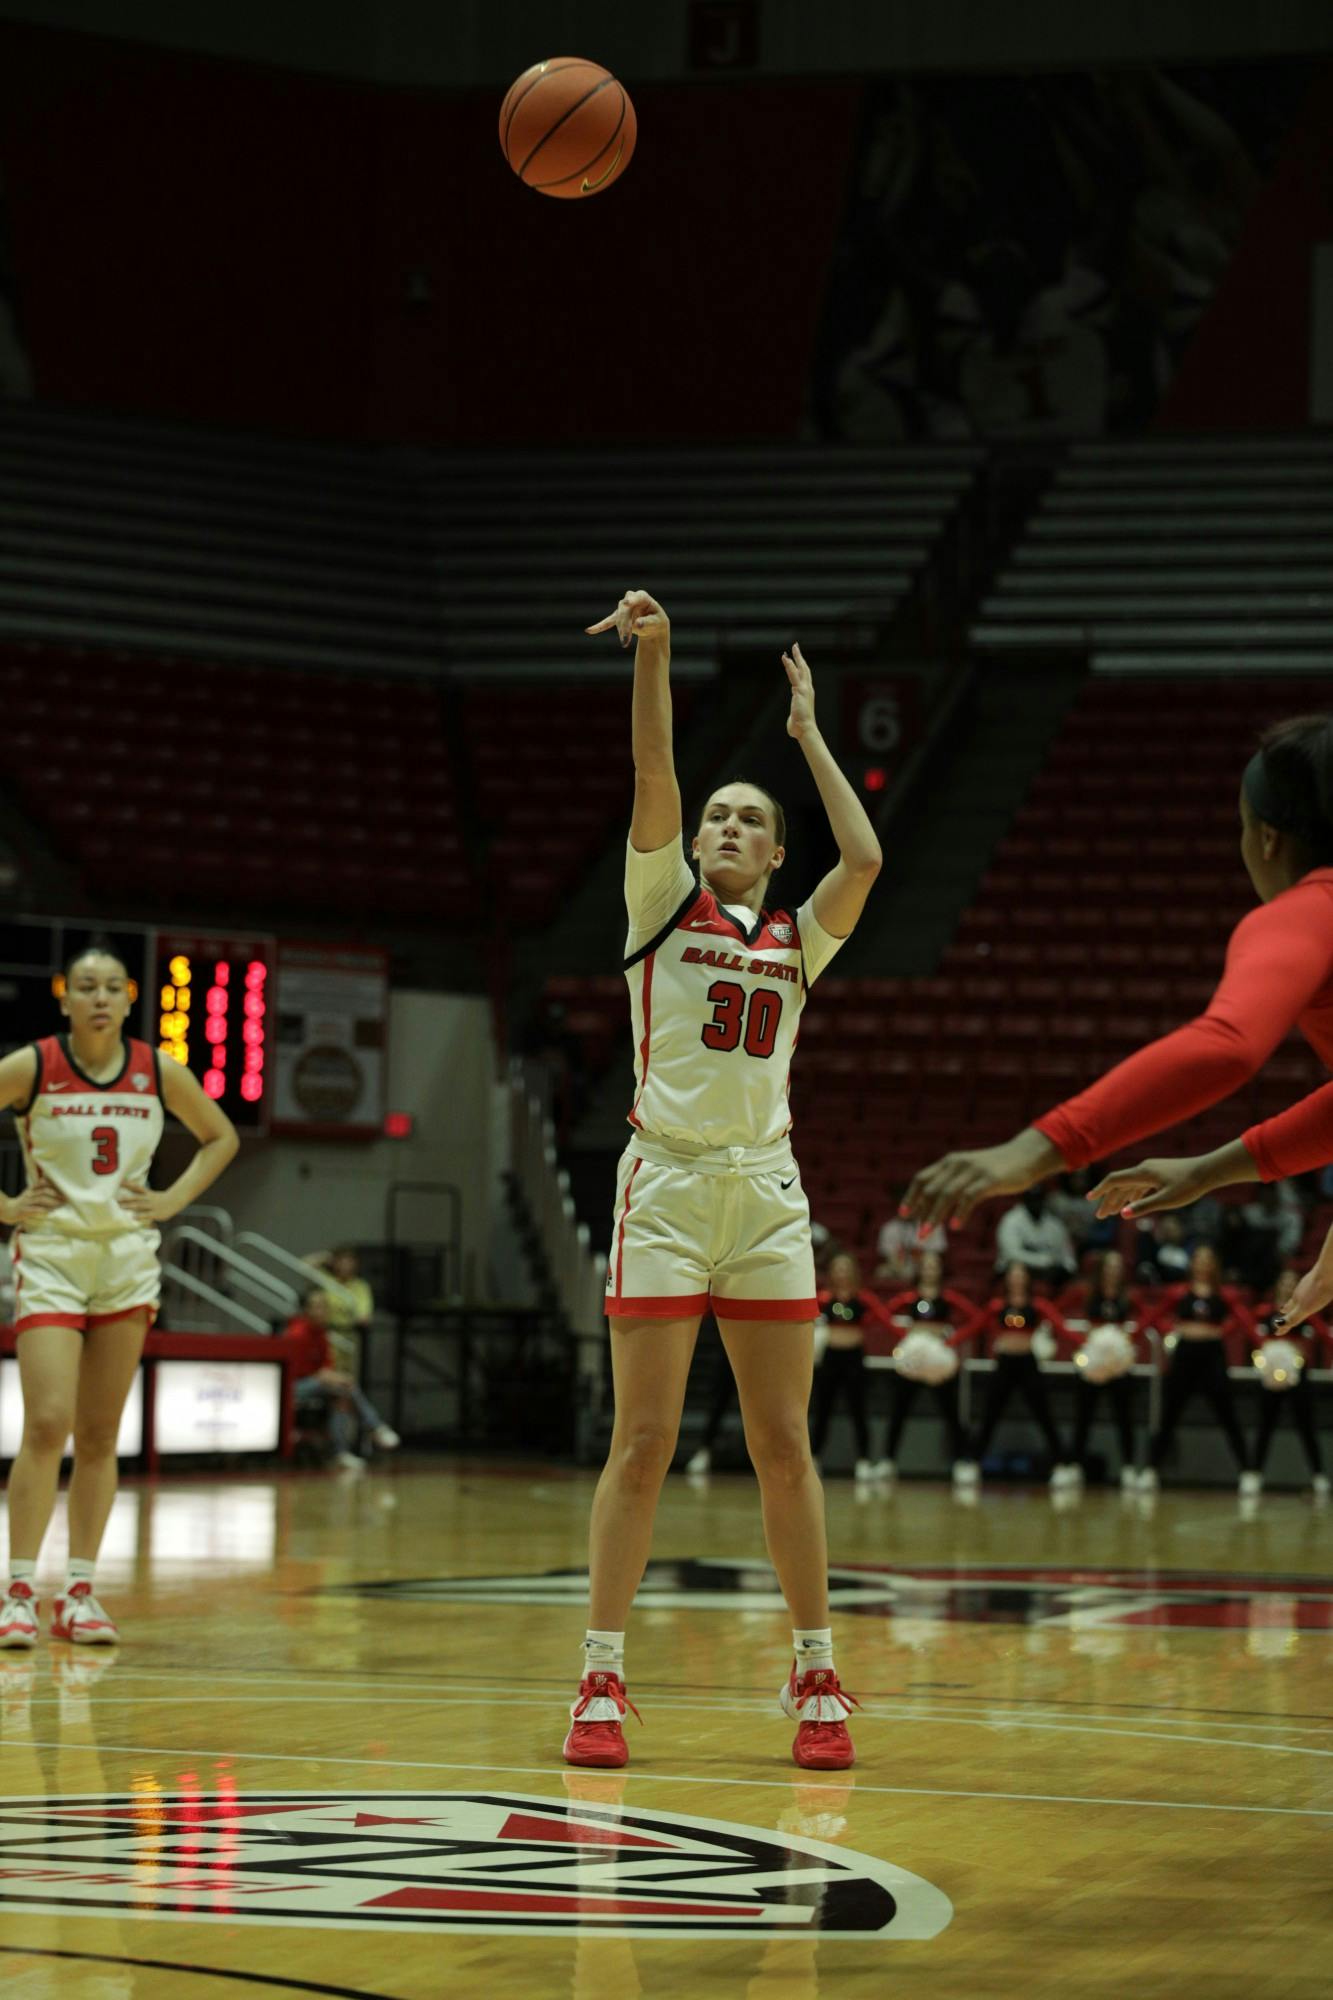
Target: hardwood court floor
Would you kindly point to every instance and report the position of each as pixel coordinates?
(1105, 1737)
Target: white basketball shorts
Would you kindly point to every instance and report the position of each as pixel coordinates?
(707, 1236)
(79, 1281)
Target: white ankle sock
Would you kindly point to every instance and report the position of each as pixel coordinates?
(604, 1652)
(23, 1572)
(78, 1571)
(812, 1649)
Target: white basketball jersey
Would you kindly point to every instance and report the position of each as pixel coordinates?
(716, 996)
(88, 1139)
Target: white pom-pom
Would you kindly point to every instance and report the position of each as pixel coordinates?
(924, 1357)
(1107, 1353)
(1279, 1363)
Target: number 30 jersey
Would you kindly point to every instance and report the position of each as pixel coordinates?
(716, 995)
(89, 1139)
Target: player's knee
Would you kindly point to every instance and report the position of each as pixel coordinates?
(46, 1427)
(780, 1453)
(96, 1439)
(643, 1455)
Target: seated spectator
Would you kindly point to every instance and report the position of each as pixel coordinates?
(323, 1389)
(1031, 1234)
(1160, 1253)
(348, 1318)
(1068, 1200)
(901, 1247)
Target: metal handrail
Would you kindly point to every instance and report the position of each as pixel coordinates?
(204, 1212)
(227, 1307)
(249, 1276)
(312, 1274)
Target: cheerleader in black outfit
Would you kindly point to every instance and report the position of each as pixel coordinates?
(1107, 1302)
(1202, 1315)
(843, 1308)
(1011, 1320)
(1315, 1344)
(939, 1310)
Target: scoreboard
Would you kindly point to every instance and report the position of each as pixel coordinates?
(204, 1000)
(211, 1012)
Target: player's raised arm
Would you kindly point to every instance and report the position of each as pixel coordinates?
(640, 621)
(840, 897)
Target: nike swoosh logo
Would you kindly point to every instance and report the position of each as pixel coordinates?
(786, 1184)
(591, 187)
(57, 1086)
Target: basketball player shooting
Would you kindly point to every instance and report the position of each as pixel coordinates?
(709, 1205)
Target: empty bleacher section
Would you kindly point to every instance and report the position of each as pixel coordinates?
(209, 786)
(161, 540)
(741, 544)
(1195, 553)
(551, 771)
(162, 575)
(210, 547)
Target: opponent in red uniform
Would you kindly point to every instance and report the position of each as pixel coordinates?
(1278, 976)
(89, 1106)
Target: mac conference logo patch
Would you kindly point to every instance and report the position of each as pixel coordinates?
(480, 1862)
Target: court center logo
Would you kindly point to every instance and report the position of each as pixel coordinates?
(990, 1594)
(479, 1862)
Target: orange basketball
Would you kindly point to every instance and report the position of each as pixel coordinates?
(567, 127)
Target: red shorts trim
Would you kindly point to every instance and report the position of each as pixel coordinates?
(793, 1310)
(103, 1319)
(621, 1308)
(784, 1309)
(78, 1321)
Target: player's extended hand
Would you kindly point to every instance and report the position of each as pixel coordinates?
(144, 1204)
(949, 1190)
(1150, 1187)
(1314, 1291)
(637, 616)
(32, 1204)
(801, 717)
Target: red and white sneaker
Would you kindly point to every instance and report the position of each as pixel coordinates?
(595, 1735)
(819, 1708)
(78, 1617)
(18, 1617)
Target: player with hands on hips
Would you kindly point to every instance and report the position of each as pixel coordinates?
(90, 1106)
(709, 1210)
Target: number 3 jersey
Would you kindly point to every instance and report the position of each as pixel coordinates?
(89, 1139)
(716, 995)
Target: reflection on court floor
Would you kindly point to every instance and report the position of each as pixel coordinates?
(326, 1756)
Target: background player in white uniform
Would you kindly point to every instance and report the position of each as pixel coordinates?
(709, 1205)
(89, 1108)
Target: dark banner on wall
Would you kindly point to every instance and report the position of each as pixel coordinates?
(229, 244)
(1028, 256)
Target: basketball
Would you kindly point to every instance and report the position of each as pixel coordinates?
(567, 128)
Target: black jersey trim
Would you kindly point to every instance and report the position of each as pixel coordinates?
(157, 1072)
(22, 1110)
(95, 1083)
(646, 951)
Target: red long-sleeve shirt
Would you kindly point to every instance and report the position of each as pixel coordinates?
(1278, 976)
(990, 1322)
